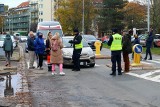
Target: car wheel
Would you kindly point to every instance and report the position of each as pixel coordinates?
(92, 65)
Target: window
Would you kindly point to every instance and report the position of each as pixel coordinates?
(40, 20)
(41, 13)
(40, 5)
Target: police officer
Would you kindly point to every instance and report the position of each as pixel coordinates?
(115, 42)
(77, 45)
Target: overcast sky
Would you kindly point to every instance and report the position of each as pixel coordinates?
(12, 3)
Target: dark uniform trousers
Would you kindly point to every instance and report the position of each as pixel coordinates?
(76, 58)
(116, 58)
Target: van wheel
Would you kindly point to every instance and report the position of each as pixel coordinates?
(92, 65)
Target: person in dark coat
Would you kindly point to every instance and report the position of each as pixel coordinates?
(136, 41)
(48, 49)
(77, 45)
(149, 42)
(39, 49)
(8, 48)
(126, 49)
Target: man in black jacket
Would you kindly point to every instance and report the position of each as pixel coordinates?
(149, 42)
(77, 45)
(31, 50)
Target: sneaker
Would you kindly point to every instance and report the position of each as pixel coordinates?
(62, 73)
(40, 68)
(54, 73)
(31, 67)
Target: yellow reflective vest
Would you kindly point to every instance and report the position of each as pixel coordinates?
(116, 43)
(79, 46)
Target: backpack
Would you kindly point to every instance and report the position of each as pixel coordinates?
(54, 45)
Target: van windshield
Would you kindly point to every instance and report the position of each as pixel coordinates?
(45, 32)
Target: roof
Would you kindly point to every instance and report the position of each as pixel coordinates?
(24, 4)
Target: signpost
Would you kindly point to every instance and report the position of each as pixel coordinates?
(137, 49)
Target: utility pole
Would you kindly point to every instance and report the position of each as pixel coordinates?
(83, 18)
(148, 16)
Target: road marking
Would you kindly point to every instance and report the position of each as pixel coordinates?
(146, 62)
(154, 61)
(97, 65)
(145, 76)
(150, 73)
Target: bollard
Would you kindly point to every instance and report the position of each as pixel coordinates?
(97, 44)
(137, 49)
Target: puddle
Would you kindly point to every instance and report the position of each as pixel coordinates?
(9, 84)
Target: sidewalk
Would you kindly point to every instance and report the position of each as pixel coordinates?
(19, 83)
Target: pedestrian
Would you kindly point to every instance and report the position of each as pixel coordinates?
(149, 43)
(56, 54)
(126, 49)
(77, 45)
(48, 48)
(8, 48)
(136, 41)
(39, 49)
(115, 41)
(31, 49)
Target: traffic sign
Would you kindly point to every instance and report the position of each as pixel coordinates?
(137, 48)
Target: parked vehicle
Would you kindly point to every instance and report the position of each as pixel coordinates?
(143, 38)
(156, 40)
(23, 38)
(87, 56)
(91, 40)
(2, 37)
(105, 39)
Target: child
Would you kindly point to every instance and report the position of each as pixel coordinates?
(56, 54)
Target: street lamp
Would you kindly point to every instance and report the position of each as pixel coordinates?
(148, 15)
(83, 18)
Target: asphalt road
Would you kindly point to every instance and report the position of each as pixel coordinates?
(91, 87)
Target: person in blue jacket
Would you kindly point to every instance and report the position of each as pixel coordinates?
(39, 49)
(149, 42)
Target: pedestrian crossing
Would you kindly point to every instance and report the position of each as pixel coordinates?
(152, 75)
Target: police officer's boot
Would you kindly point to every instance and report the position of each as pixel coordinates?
(49, 67)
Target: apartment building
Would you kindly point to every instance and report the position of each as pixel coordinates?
(17, 19)
(46, 9)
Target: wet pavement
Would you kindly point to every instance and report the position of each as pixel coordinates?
(13, 82)
(9, 84)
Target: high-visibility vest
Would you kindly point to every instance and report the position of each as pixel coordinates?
(79, 46)
(116, 43)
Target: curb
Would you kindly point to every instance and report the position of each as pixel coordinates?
(142, 66)
(102, 57)
(23, 96)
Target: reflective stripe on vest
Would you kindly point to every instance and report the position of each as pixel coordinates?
(116, 43)
(79, 46)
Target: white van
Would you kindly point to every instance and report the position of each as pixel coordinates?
(49, 26)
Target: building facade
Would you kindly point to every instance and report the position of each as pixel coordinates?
(17, 19)
(46, 9)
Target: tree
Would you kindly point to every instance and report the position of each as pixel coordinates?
(111, 15)
(155, 15)
(69, 14)
(135, 15)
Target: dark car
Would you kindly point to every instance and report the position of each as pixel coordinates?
(91, 40)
